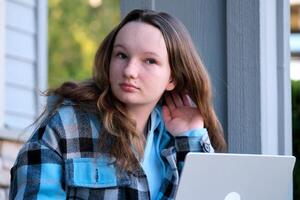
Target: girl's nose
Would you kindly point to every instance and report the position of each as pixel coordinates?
(131, 69)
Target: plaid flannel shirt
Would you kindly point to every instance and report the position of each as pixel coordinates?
(62, 160)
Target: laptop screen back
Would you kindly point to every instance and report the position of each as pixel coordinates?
(235, 177)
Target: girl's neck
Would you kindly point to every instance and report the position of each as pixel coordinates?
(140, 115)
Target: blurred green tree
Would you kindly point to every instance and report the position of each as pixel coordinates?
(76, 28)
(296, 135)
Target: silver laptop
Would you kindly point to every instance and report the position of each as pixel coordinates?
(235, 177)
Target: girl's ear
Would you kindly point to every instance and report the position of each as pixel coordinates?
(171, 85)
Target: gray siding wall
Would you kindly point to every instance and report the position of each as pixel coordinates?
(20, 63)
(23, 64)
(244, 76)
(2, 57)
(25, 61)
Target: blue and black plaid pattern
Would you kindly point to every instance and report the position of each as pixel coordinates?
(62, 160)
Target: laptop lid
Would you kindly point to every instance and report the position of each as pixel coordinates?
(235, 177)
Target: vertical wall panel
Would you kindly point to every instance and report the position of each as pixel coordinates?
(41, 71)
(127, 6)
(283, 76)
(243, 75)
(268, 75)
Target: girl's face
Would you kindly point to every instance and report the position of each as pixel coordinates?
(139, 67)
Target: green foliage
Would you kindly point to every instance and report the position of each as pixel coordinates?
(296, 134)
(75, 31)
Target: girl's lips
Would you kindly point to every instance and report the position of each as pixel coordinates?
(128, 87)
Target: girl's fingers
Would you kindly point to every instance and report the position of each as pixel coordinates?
(169, 102)
(186, 100)
(177, 99)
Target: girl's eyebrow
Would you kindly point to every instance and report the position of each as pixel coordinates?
(151, 53)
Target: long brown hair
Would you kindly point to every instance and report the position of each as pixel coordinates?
(188, 71)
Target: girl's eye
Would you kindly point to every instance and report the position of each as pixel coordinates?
(121, 55)
(150, 61)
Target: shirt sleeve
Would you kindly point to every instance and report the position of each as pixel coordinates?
(37, 173)
(196, 140)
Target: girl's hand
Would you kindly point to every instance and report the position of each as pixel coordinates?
(180, 114)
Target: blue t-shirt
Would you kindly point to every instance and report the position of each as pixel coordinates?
(152, 166)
